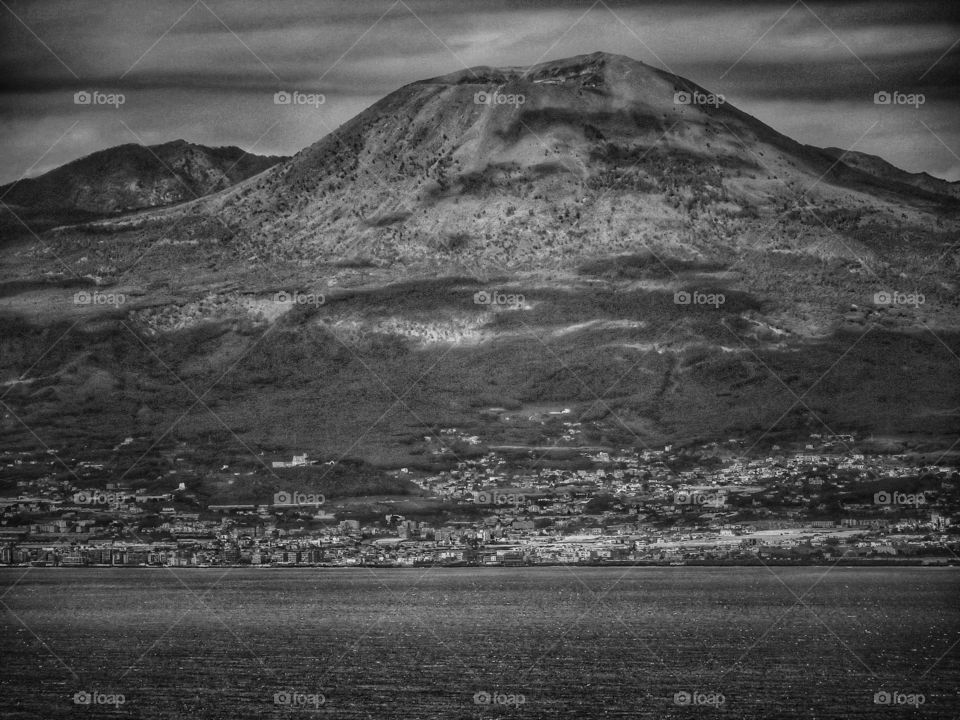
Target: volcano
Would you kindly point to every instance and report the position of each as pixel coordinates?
(587, 248)
(538, 167)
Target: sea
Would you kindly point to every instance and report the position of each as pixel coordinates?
(479, 643)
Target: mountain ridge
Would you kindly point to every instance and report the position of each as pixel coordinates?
(131, 176)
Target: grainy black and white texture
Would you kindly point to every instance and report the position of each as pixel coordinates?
(422, 359)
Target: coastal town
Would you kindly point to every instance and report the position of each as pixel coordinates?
(822, 502)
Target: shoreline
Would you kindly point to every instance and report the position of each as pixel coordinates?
(949, 563)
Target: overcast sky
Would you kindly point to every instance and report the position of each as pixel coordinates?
(206, 70)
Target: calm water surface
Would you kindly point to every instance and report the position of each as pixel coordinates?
(433, 643)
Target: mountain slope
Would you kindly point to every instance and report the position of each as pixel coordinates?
(882, 170)
(133, 177)
(602, 154)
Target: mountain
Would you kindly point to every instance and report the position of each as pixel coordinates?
(573, 158)
(881, 169)
(133, 177)
(589, 253)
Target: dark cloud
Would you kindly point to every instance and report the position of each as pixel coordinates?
(206, 71)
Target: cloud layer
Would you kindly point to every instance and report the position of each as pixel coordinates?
(206, 70)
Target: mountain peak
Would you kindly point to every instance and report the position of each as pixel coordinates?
(132, 177)
(575, 68)
(596, 59)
